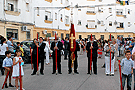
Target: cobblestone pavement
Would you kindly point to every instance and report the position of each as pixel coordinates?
(66, 81)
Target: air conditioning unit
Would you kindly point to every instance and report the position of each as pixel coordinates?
(45, 32)
(100, 0)
(53, 32)
(99, 22)
(115, 23)
(125, 16)
(24, 28)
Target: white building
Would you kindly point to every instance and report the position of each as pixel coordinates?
(25, 18)
(104, 20)
(15, 19)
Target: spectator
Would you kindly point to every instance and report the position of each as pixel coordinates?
(22, 51)
(127, 69)
(66, 48)
(18, 45)
(3, 49)
(10, 44)
(7, 64)
(47, 49)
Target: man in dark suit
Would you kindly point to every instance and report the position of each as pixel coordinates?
(75, 62)
(42, 54)
(59, 46)
(94, 48)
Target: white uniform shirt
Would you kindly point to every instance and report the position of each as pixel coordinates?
(3, 48)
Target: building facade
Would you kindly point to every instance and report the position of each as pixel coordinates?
(16, 20)
(23, 19)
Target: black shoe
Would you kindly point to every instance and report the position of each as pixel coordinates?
(33, 74)
(60, 73)
(107, 74)
(42, 73)
(112, 75)
(95, 73)
(53, 73)
(6, 85)
(69, 72)
(77, 72)
(10, 85)
(88, 73)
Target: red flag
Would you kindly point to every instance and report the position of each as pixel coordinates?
(72, 39)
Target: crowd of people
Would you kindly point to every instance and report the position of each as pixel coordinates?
(117, 47)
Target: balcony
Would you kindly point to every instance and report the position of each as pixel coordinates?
(120, 28)
(49, 1)
(49, 20)
(90, 13)
(12, 11)
(67, 25)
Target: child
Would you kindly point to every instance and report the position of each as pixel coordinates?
(99, 51)
(15, 73)
(127, 69)
(7, 64)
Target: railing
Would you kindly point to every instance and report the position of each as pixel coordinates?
(90, 11)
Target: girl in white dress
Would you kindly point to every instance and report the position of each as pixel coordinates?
(15, 73)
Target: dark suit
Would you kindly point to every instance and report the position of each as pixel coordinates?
(60, 47)
(94, 56)
(70, 61)
(34, 56)
(42, 56)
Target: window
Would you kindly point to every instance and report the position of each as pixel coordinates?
(128, 11)
(61, 36)
(110, 23)
(37, 11)
(100, 9)
(27, 7)
(61, 2)
(120, 25)
(79, 22)
(48, 35)
(110, 10)
(102, 23)
(129, 24)
(102, 37)
(67, 35)
(10, 7)
(48, 16)
(61, 18)
(66, 19)
(91, 23)
(28, 35)
(79, 9)
(13, 33)
(38, 34)
(91, 10)
(119, 12)
(55, 16)
(129, 36)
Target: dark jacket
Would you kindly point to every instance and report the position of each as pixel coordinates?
(94, 50)
(66, 45)
(42, 47)
(34, 47)
(60, 47)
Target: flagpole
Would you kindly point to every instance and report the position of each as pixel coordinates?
(110, 54)
(91, 55)
(37, 57)
(20, 74)
(120, 75)
(56, 54)
(5, 80)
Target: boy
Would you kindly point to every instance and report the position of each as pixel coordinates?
(127, 69)
(7, 64)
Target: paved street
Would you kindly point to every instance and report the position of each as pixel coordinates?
(68, 81)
